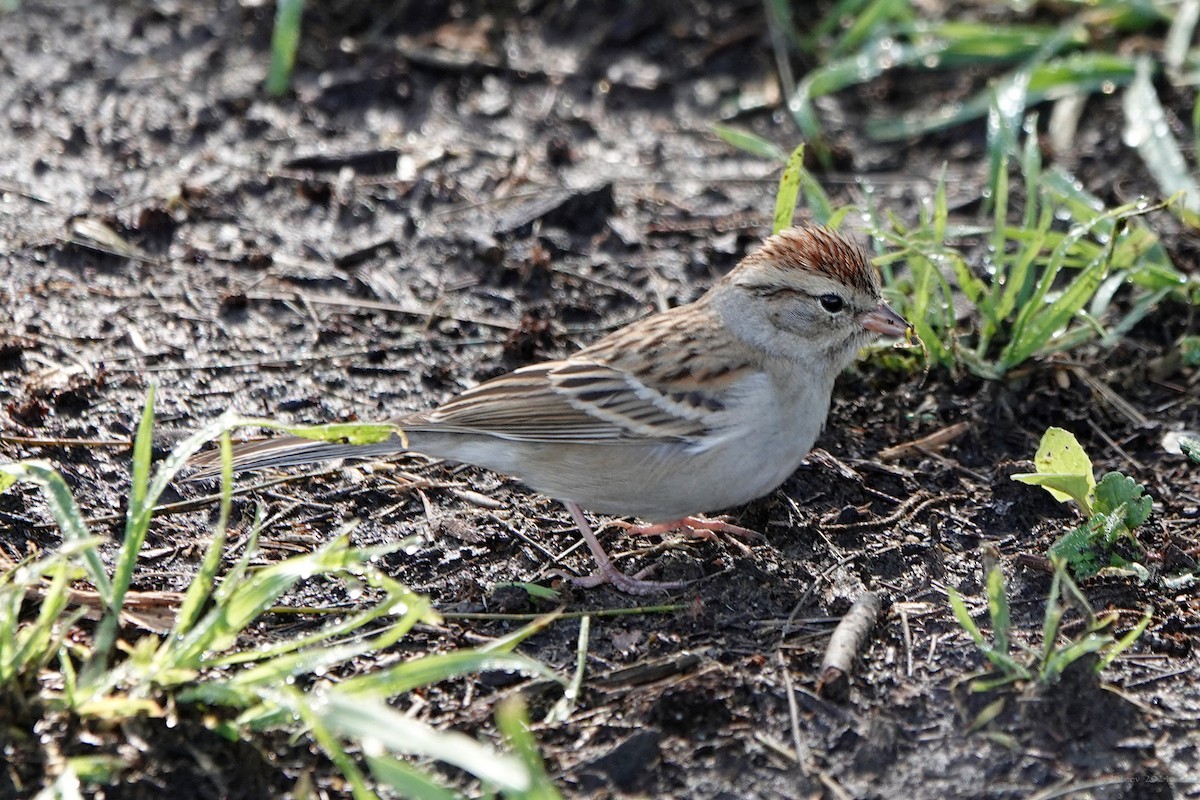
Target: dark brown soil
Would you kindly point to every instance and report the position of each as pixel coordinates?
(447, 194)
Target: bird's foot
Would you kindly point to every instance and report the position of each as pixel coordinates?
(607, 572)
(698, 528)
(630, 584)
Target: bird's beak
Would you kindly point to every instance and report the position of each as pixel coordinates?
(884, 321)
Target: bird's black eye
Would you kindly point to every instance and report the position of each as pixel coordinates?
(831, 303)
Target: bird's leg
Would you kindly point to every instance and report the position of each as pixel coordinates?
(606, 572)
(696, 527)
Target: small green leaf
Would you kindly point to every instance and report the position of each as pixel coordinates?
(1190, 448)
(532, 589)
(1116, 490)
(1076, 549)
(1063, 486)
(1063, 469)
(1189, 351)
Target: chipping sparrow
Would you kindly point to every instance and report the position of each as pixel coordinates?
(702, 407)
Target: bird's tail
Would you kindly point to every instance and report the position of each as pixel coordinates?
(289, 451)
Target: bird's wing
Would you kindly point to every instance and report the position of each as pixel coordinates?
(576, 400)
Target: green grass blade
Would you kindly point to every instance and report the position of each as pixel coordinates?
(1062, 658)
(201, 586)
(963, 616)
(66, 515)
(285, 39)
(430, 669)
(219, 628)
(1080, 72)
(750, 143)
(566, 704)
(314, 712)
(406, 779)
(34, 643)
(318, 653)
(872, 22)
(369, 719)
(513, 722)
(137, 526)
(1147, 129)
(998, 609)
(1126, 641)
(137, 516)
(237, 573)
(789, 190)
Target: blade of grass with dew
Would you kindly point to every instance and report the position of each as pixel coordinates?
(379, 727)
(871, 62)
(219, 628)
(285, 39)
(513, 722)
(872, 21)
(310, 708)
(237, 573)
(66, 514)
(1126, 641)
(1079, 72)
(1180, 36)
(430, 669)
(201, 586)
(749, 142)
(1038, 320)
(397, 600)
(1007, 105)
(1147, 130)
(1154, 267)
(789, 189)
(315, 659)
(406, 780)
(565, 706)
(1080, 291)
(932, 314)
(34, 642)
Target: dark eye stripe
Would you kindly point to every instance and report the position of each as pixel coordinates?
(774, 291)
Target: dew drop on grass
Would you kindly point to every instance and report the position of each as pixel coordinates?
(398, 610)
(1108, 87)
(372, 746)
(887, 54)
